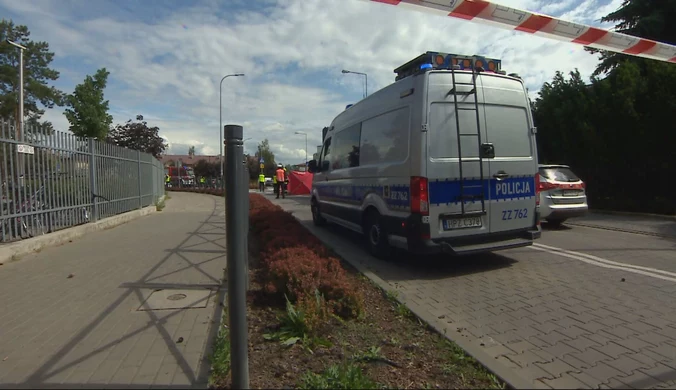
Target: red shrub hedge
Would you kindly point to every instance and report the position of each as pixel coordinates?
(296, 263)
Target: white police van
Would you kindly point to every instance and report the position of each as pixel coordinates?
(442, 160)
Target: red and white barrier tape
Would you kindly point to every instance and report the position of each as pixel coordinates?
(515, 19)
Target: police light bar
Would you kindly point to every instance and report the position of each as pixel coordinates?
(436, 60)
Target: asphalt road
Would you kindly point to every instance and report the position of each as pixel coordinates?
(591, 305)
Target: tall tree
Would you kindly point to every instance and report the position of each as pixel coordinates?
(138, 135)
(88, 111)
(650, 19)
(37, 75)
(268, 157)
(207, 169)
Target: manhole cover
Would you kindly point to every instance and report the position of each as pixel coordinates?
(171, 299)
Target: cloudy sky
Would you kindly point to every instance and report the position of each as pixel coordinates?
(166, 58)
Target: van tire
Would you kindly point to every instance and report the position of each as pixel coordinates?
(376, 236)
(317, 218)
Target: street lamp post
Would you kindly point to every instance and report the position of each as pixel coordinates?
(220, 121)
(305, 134)
(366, 81)
(20, 127)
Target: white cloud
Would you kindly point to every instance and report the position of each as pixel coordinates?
(292, 53)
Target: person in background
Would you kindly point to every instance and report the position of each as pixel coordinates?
(261, 182)
(280, 175)
(286, 180)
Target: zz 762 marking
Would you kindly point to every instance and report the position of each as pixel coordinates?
(514, 214)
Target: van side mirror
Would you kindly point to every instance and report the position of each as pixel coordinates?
(325, 165)
(312, 166)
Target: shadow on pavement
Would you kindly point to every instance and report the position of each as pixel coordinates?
(212, 227)
(404, 266)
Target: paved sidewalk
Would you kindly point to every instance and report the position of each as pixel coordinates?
(648, 225)
(69, 316)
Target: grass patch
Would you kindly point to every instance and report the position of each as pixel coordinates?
(467, 368)
(220, 356)
(296, 328)
(343, 376)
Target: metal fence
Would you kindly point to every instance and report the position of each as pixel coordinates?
(53, 180)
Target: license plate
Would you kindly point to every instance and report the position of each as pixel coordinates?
(462, 223)
(570, 192)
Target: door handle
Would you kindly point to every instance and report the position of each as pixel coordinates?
(501, 175)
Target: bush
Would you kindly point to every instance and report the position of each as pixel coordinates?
(296, 264)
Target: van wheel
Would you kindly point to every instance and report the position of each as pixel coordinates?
(317, 218)
(376, 236)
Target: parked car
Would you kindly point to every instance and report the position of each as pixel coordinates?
(562, 194)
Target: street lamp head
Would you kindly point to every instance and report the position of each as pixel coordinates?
(346, 71)
(299, 132)
(15, 44)
(238, 74)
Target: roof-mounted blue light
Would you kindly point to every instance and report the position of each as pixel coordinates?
(445, 61)
(348, 106)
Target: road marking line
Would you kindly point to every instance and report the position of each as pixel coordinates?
(602, 260)
(605, 263)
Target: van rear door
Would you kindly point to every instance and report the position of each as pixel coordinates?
(443, 165)
(512, 171)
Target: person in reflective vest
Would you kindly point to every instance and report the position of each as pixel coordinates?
(280, 177)
(203, 181)
(261, 182)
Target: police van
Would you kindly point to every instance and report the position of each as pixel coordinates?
(442, 160)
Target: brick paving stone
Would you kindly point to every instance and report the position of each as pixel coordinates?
(85, 331)
(633, 343)
(581, 343)
(557, 368)
(612, 349)
(566, 381)
(603, 372)
(638, 380)
(627, 364)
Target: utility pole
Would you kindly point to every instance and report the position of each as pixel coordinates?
(20, 121)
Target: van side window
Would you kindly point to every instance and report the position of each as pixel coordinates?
(385, 138)
(346, 149)
(326, 154)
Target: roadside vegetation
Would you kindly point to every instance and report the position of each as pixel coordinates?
(315, 323)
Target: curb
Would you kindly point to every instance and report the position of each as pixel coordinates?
(632, 214)
(501, 371)
(16, 250)
(617, 229)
